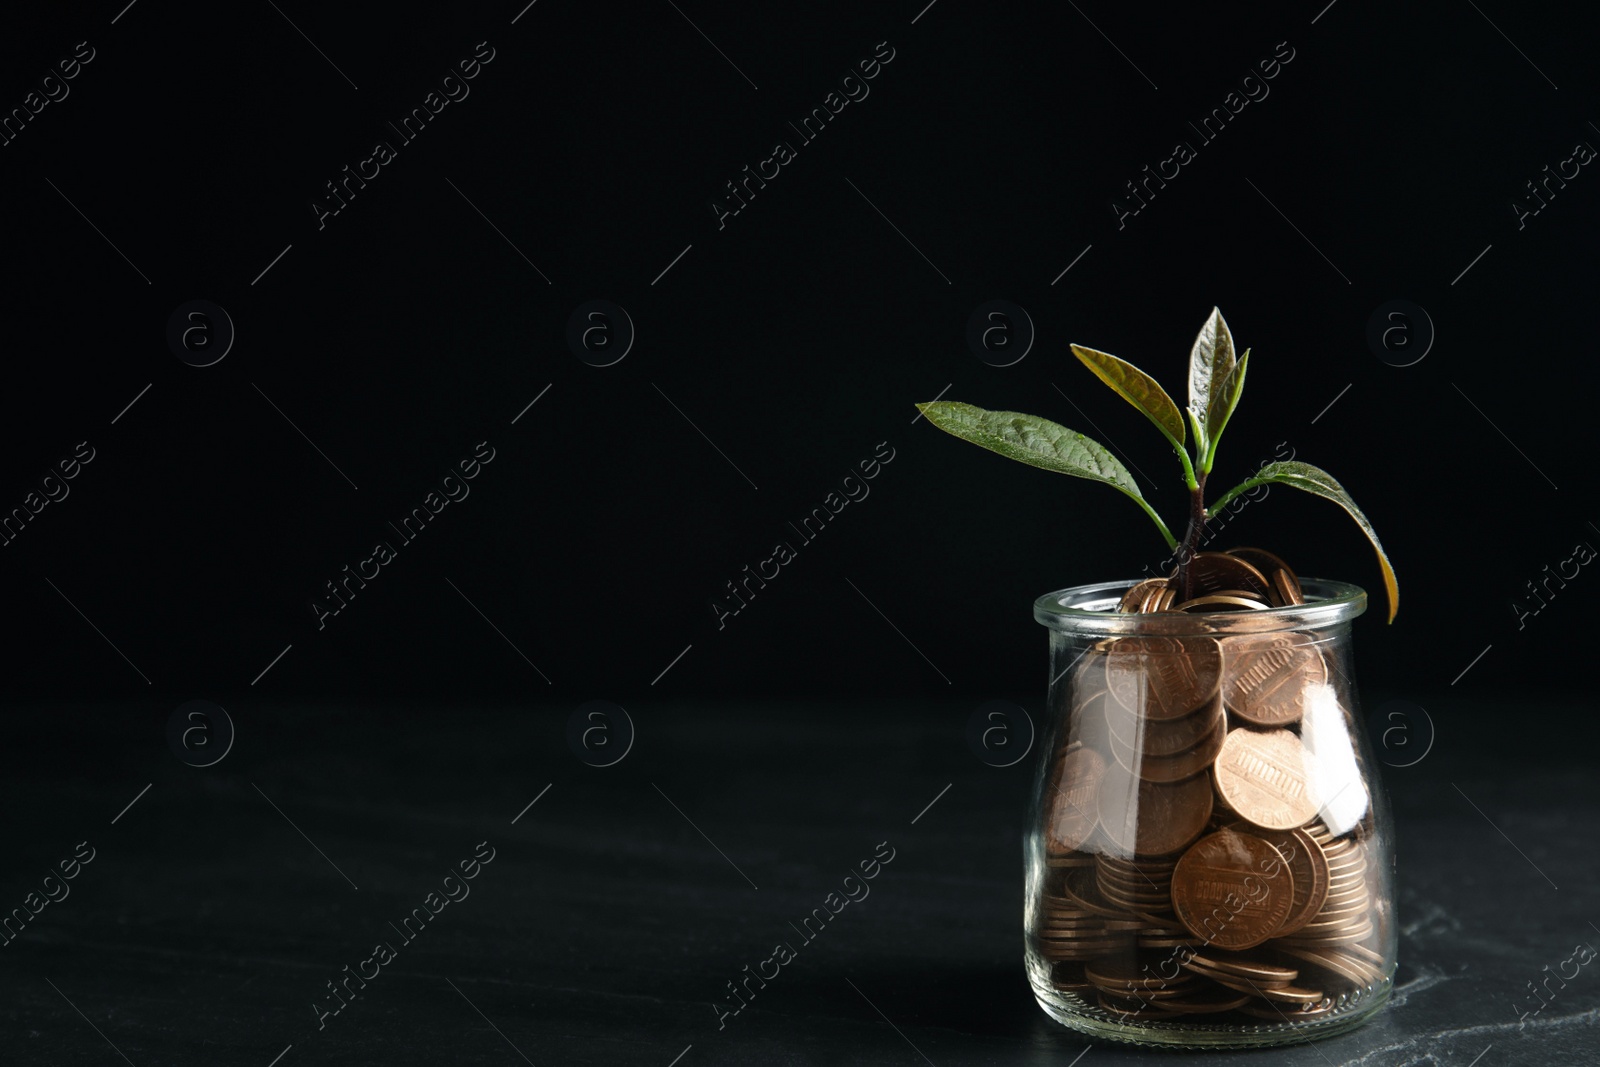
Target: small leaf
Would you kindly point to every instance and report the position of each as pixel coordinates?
(1210, 362)
(1039, 443)
(1220, 409)
(1138, 389)
(1319, 482)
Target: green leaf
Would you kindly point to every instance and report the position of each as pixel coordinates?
(1039, 443)
(1137, 388)
(1220, 408)
(1210, 362)
(1319, 482)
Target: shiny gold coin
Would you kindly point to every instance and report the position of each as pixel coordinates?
(1262, 776)
(1267, 679)
(1232, 890)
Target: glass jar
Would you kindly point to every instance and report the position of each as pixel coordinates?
(1208, 859)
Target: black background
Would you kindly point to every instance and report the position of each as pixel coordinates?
(414, 325)
(796, 338)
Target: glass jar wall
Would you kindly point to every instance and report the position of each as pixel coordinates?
(1208, 859)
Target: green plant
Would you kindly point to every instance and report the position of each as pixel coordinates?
(1216, 380)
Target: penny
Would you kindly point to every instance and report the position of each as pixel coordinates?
(1265, 562)
(1293, 994)
(1262, 776)
(1158, 597)
(1266, 1010)
(1078, 890)
(1337, 963)
(1213, 572)
(1156, 738)
(1070, 859)
(1134, 598)
(1067, 976)
(1306, 864)
(1267, 679)
(1210, 1003)
(1260, 971)
(1276, 1012)
(1091, 724)
(1072, 812)
(1288, 589)
(1153, 818)
(1220, 601)
(1232, 890)
(1120, 975)
(1196, 760)
(1129, 1009)
(1163, 677)
(1223, 978)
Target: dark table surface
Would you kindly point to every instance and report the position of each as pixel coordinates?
(615, 910)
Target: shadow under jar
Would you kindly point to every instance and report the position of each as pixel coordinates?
(1208, 859)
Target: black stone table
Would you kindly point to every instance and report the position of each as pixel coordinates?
(617, 903)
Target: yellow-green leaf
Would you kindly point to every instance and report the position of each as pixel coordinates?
(1211, 360)
(1220, 408)
(1319, 482)
(1138, 389)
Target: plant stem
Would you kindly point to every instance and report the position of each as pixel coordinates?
(1191, 538)
(1166, 534)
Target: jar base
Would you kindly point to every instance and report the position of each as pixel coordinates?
(1188, 1033)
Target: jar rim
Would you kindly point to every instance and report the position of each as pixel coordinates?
(1090, 611)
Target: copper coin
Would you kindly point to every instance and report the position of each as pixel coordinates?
(1211, 1003)
(1163, 677)
(1224, 979)
(1133, 599)
(1338, 963)
(1232, 890)
(1220, 602)
(1184, 765)
(1078, 890)
(1213, 572)
(1151, 595)
(1154, 737)
(1263, 561)
(1091, 725)
(1306, 864)
(1277, 1013)
(1129, 1009)
(1119, 975)
(1262, 775)
(1072, 810)
(1292, 994)
(1288, 589)
(1260, 971)
(1268, 678)
(1153, 818)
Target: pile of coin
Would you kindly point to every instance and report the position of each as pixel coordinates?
(1240, 579)
(1207, 822)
